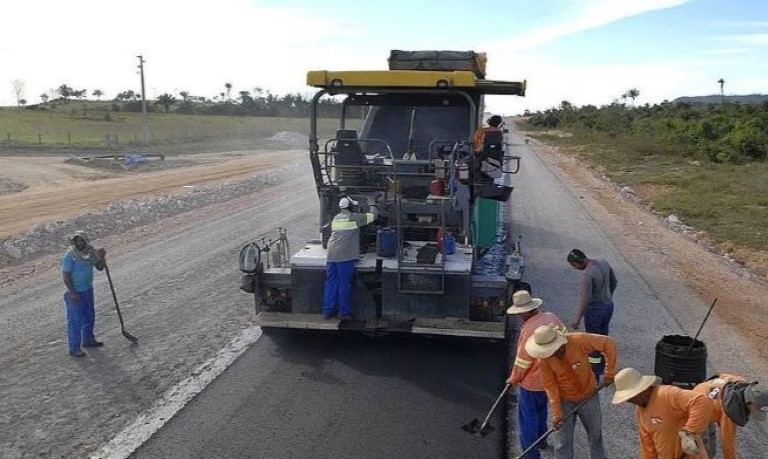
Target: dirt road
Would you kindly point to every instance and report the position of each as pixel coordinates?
(56, 190)
(683, 273)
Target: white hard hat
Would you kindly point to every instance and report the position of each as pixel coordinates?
(345, 202)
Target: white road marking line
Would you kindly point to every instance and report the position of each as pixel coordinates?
(143, 427)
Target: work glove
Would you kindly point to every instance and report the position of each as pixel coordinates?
(688, 442)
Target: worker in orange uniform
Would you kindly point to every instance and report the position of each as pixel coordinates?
(670, 420)
(727, 387)
(532, 406)
(568, 380)
(494, 125)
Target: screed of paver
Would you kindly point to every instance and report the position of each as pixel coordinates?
(61, 199)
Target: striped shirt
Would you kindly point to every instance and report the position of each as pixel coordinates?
(344, 243)
(525, 371)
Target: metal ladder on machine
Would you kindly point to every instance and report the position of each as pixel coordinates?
(409, 273)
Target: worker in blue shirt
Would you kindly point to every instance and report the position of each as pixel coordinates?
(77, 268)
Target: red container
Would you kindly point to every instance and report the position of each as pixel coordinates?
(437, 187)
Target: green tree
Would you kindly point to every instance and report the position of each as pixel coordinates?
(721, 82)
(229, 90)
(184, 95)
(166, 100)
(44, 97)
(65, 91)
(18, 90)
(633, 94)
(97, 93)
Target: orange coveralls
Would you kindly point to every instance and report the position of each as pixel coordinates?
(714, 390)
(525, 371)
(571, 379)
(669, 410)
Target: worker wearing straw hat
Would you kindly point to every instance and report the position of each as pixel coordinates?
(568, 381)
(670, 420)
(532, 406)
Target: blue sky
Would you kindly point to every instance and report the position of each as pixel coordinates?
(583, 51)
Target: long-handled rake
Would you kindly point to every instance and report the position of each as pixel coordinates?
(475, 427)
(127, 335)
(567, 415)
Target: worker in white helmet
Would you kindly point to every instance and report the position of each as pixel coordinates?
(343, 251)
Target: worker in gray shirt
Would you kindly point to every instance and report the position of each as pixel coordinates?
(342, 253)
(598, 282)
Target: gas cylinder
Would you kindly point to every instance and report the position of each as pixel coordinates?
(462, 171)
(437, 187)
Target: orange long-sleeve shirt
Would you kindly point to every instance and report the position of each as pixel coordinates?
(525, 371)
(714, 390)
(479, 138)
(571, 379)
(669, 410)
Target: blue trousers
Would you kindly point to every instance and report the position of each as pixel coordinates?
(81, 318)
(338, 287)
(597, 320)
(532, 419)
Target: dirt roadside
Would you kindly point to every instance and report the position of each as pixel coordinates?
(667, 258)
(56, 191)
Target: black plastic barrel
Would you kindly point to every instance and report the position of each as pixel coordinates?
(677, 364)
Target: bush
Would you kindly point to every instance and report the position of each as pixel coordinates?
(728, 133)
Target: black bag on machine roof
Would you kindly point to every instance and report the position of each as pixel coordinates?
(438, 61)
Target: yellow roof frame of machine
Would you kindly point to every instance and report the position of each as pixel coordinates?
(371, 79)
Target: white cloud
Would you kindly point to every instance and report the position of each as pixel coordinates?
(755, 39)
(550, 82)
(187, 45)
(584, 15)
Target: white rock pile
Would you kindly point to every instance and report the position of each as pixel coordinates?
(49, 237)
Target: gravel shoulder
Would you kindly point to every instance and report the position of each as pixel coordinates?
(178, 294)
(72, 190)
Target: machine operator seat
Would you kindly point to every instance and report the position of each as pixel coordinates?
(348, 151)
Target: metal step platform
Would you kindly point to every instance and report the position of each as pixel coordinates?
(446, 326)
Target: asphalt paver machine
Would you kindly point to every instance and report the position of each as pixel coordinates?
(430, 263)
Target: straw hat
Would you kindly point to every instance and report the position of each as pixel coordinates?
(630, 383)
(544, 342)
(522, 302)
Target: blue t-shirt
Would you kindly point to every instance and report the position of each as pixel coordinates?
(81, 271)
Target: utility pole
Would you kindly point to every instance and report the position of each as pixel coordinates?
(144, 119)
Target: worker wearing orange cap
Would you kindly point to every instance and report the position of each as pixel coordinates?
(670, 420)
(568, 381)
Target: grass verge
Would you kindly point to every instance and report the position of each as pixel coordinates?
(92, 128)
(729, 202)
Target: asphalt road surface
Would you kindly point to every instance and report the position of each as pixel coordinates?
(310, 395)
(335, 397)
(317, 396)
